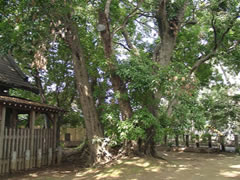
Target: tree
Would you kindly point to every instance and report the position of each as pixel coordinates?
(139, 65)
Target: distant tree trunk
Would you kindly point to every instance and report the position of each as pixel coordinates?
(92, 122)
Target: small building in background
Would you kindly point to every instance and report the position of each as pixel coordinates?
(72, 137)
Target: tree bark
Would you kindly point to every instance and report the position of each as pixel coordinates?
(117, 83)
(92, 122)
(162, 54)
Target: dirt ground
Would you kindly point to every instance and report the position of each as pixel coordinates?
(180, 166)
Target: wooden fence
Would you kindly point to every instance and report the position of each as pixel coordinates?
(25, 149)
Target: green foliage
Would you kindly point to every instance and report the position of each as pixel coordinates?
(221, 109)
(73, 119)
(131, 129)
(27, 27)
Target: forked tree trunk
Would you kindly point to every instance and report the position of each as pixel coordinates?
(162, 55)
(92, 122)
(117, 83)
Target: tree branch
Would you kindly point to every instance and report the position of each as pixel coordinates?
(145, 24)
(156, 51)
(213, 23)
(202, 60)
(127, 39)
(161, 16)
(225, 75)
(180, 14)
(107, 8)
(217, 44)
(129, 43)
(125, 47)
(131, 14)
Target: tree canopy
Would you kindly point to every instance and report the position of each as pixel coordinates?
(133, 70)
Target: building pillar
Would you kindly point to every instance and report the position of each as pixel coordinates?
(13, 118)
(2, 127)
(31, 126)
(55, 119)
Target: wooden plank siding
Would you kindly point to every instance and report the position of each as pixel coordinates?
(18, 142)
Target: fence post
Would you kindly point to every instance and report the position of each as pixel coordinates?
(197, 141)
(176, 140)
(222, 143)
(39, 158)
(236, 143)
(14, 161)
(2, 126)
(210, 141)
(187, 140)
(50, 156)
(55, 116)
(27, 159)
(31, 126)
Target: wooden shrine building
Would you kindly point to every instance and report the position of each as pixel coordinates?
(23, 143)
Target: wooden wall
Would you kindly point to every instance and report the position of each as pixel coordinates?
(18, 152)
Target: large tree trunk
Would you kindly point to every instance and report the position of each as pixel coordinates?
(92, 122)
(117, 83)
(162, 55)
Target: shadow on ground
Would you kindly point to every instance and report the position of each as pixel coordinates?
(180, 166)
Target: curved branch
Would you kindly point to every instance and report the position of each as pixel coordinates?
(131, 14)
(121, 44)
(217, 44)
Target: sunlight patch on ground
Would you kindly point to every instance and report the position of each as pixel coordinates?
(235, 166)
(113, 174)
(230, 174)
(89, 171)
(153, 169)
(169, 178)
(141, 164)
(33, 175)
(122, 167)
(172, 165)
(182, 167)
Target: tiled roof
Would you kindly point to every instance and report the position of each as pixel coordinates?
(20, 103)
(12, 77)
